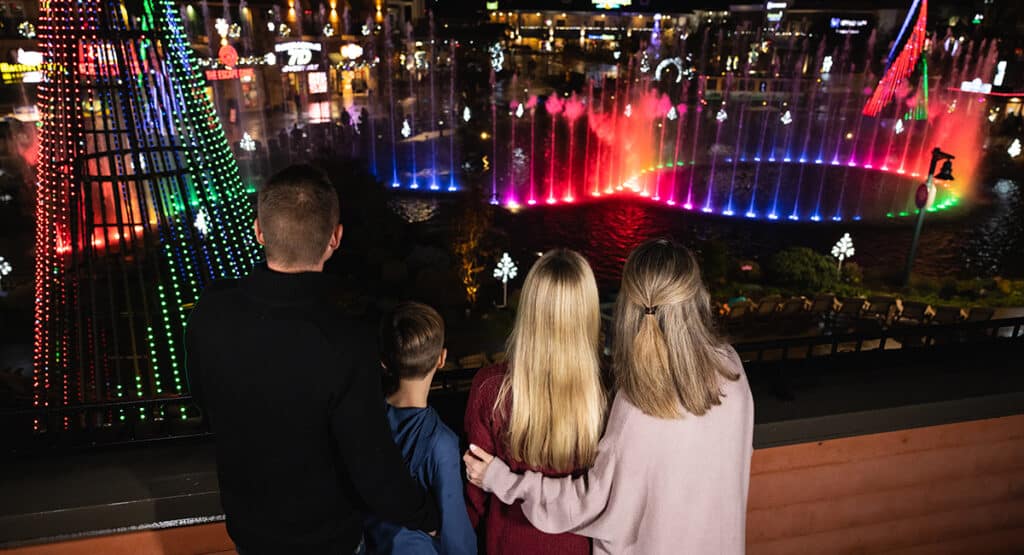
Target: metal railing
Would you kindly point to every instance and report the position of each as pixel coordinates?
(144, 420)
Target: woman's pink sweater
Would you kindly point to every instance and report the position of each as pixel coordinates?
(658, 486)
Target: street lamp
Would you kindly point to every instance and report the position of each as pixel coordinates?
(924, 197)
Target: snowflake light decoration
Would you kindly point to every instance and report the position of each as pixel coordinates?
(645, 63)
(787, 118)
(519, 110)
(247, 143)
(202, 223)
(672, 114)
(722, 115)
(629, 110)
(328, 30)
(466, 114)
(497, 57)
(826, 64)
(406, 128)
(505, 271)
(843, 249)
(899, 127)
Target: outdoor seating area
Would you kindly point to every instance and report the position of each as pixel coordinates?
(829, 314)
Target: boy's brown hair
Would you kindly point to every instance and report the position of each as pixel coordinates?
(411, 341)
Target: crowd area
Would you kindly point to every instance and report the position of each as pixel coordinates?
(326, 442)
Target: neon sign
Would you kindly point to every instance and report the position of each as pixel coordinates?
(245, 74)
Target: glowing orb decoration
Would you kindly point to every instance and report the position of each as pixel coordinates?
(406, 128)
(674, 62)
(247, 143)
(1015, 149)
(899, 127)
(467, 114)
(27, 30)
(722, 115)
(787, 118)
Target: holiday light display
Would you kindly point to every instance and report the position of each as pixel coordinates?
(505, 270)
(134, 174)
(842, 250)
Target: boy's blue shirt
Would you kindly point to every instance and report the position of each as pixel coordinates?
(431, 452)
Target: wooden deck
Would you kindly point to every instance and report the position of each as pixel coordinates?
(947, 489)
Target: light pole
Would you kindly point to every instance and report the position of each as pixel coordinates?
(924, 197)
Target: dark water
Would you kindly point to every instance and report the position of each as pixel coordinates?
(984, 237)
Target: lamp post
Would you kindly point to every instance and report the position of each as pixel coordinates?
(925, 196)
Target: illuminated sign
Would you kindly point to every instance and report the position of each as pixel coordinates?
(317, 82)
(12, 74)
(847, 26)
(976, 86)
(611, 4)
(299, 55)
(1000, 74)
(245, 74)
(33, 58)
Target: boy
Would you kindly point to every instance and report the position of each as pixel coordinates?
(412, 349)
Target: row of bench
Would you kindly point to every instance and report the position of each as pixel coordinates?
(833, 310)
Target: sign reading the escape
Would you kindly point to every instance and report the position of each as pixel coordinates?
(298, 55)
(244, 73)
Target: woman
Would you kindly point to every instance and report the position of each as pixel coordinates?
(673, 466)
(545, 409)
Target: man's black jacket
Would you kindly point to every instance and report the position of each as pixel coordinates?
(292, 392)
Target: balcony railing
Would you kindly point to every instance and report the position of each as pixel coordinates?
(135, 421)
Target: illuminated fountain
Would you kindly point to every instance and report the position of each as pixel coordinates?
(826, 140)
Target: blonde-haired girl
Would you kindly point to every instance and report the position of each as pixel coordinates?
(544, 410)
(673, 467)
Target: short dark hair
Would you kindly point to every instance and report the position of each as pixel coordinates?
(411, 341)
(298, 210)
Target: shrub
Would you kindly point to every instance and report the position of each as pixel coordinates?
(852, 273)
(803, 269)
(714, 261)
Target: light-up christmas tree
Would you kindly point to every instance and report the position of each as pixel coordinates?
(132, 154)
(901, 66)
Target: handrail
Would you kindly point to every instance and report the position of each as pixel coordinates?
(884, 342)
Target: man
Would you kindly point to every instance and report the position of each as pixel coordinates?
(292, 391)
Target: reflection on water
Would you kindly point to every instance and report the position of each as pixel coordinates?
(984, 240)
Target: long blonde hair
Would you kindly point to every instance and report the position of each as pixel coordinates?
(666, 351)
(553, 381)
